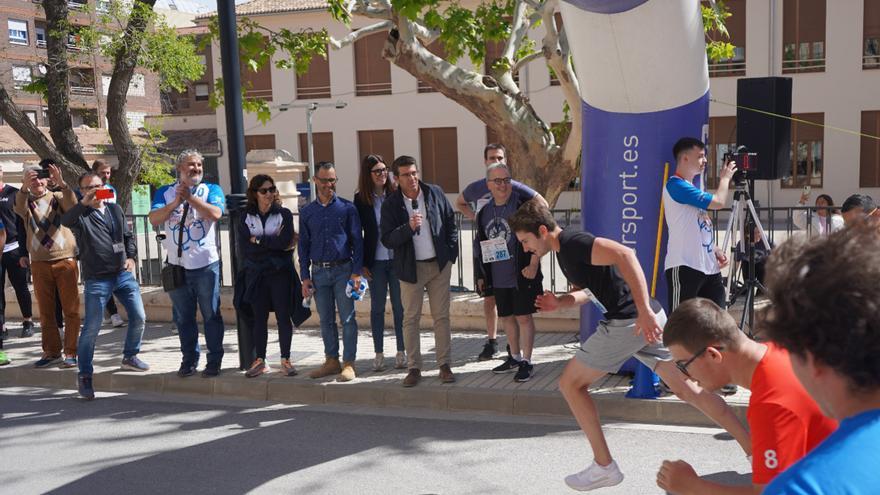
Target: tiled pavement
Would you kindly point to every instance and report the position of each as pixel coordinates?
(476, 388)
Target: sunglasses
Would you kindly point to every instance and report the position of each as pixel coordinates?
(331, 180)
(267, 190)
(683, 365)
(501, 181)
(379, 171)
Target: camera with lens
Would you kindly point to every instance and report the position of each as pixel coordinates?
(746, 164)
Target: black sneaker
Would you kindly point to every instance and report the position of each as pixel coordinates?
(27, 329)
(84, 384)
(490, 349)
(211, 369)
(186, 370)
(525, 372)
(507, 366)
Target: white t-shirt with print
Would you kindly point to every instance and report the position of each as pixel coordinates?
(691, 237)
(199, 236)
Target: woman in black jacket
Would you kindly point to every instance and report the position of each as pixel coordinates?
(265, 239)
(374, 186)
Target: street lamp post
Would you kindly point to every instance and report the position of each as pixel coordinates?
(311, 108)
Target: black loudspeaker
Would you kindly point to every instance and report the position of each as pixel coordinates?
(768, 136)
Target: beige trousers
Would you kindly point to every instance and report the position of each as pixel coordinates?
(428, 276)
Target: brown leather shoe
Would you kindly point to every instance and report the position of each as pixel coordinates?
(330, 367)
(412, 378)
(446, 375)
(348, 374)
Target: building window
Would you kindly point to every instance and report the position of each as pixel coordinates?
(722, 140)
(438, 49)
(803, 36)
(135, 119)
(257, 84)
(203, 92)
(439, 153)
(77, 4)
(82, 82)
(31, 115)
(315, 83)
(736, 28)
(40, 34)
(103, 6)
(377, 143)
(323, 148)
(21, 76)
(807, 153)
(869, 165)
(18, 32)
(259, 142)
(372, 72)
(137, 85)
(871, 53)
(84, 117)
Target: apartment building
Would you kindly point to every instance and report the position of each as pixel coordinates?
(23, 50)
(832, 54)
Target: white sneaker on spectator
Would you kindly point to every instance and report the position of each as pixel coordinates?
(400, 361)
(174, 328)
(116, 320)
(379, 362)
(595, 476)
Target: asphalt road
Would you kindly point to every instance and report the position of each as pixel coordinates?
(51, 442)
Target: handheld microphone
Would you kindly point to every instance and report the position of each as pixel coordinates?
(415, 207)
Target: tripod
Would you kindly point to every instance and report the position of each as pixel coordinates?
(740, 229)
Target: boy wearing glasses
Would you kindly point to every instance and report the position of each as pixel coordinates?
(513, 275)
(607, 274)
(785, 423)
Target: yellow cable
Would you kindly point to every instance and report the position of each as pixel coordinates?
(659, 233)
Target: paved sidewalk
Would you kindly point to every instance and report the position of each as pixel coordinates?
(476, 388)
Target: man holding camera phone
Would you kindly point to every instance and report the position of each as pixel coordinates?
(52, 251)
(107, 251)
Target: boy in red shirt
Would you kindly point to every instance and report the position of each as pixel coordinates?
(785, 423)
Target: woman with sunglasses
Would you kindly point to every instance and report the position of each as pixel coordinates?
(265, 239)
(374, 185)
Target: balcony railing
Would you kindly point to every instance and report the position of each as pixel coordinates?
(871, 62)
(372, 89)
(82, 90)
(263, 94)
(730, 68)
(312, 92)
(74, 5)
(41, 43)
(794, 66)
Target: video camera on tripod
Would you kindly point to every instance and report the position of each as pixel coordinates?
(746, 164)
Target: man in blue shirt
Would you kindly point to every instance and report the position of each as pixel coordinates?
(331, 252)
(825, 310)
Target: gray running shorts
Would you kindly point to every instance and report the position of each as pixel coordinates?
(615, 341)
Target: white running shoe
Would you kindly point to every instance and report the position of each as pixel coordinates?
(116, 320)
(595, 476)
(400, 361)
(379, 362)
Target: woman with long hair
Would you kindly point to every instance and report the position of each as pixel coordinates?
(825, 220)
(374, 186)
(265, 239)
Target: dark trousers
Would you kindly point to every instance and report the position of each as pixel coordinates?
(18, 277)
(683, 283)
(277, 297)
(111, 306)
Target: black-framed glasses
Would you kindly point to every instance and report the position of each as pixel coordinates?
(331, 180)
(683, 365)
(379, 171)
(267, 190)
(413, 174)
(501, 181)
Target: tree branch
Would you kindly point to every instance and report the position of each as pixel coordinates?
(359, 33)
(518, 30)
(525, 60)
(556, 50)
(364, 9)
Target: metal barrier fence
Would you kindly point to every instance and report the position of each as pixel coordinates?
(779, 223)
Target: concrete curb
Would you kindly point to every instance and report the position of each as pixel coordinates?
(298, 390)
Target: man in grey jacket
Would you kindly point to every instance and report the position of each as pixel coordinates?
(107, 252)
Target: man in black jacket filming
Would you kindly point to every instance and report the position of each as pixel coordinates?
(107, 253)
(418, 223)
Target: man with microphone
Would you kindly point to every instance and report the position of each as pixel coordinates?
(418, 224)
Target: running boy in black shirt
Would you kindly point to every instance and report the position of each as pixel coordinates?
(608, 275)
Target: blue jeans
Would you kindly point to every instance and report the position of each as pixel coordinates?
(329, 291)
(97, 292)
(383, 280)
(202, 288)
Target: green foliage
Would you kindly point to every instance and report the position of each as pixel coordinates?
(156, 167)
(714, 19)
(37, 86)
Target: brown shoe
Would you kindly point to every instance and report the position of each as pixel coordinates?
(412, 378)
(348, 374)
(330, 367)
(446, 375)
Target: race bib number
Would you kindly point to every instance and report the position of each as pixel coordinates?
(494, 250)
